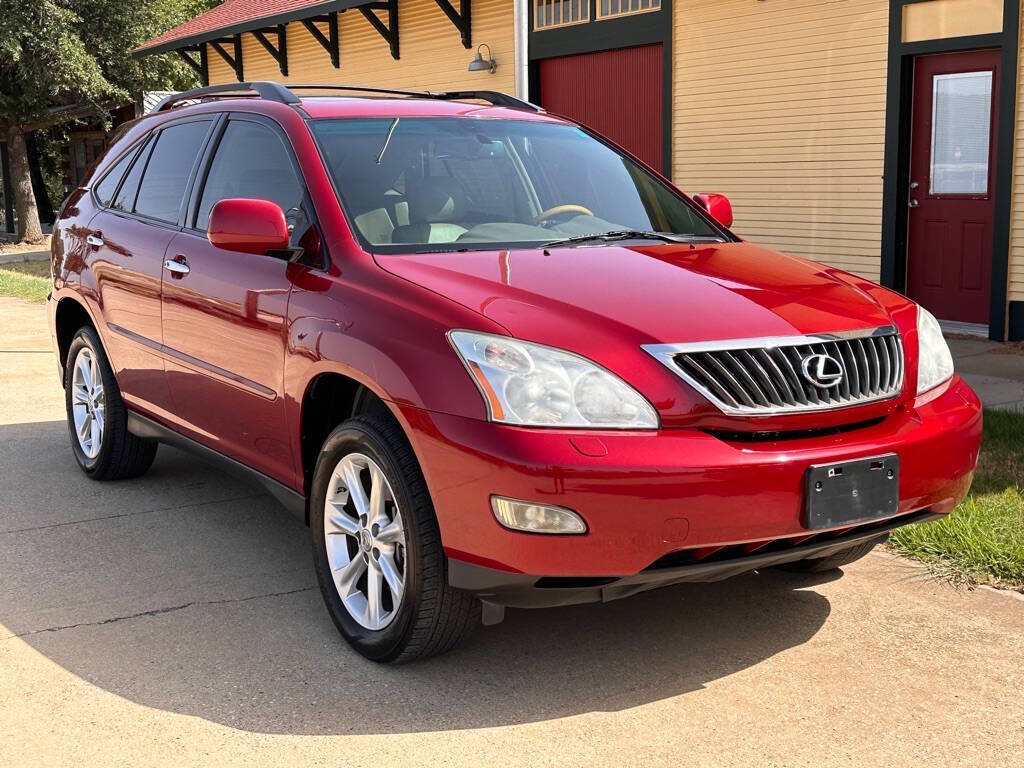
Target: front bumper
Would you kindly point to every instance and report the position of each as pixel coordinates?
(677, 493)
(520, 590)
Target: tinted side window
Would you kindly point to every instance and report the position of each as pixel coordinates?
(105, 188)
(170, 163)
(251, 161)
(126, 194)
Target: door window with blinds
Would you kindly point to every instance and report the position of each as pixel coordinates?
(961, 130)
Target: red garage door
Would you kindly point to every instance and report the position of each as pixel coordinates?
(617, 93)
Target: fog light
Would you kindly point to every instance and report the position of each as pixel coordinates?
(536, 518)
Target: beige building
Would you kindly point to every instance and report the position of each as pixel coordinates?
(878, 136)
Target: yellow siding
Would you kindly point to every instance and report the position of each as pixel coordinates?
(781, 106)
(432, 56)
(1016, 287)
(939, 19)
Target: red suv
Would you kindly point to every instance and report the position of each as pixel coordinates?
(492, 359)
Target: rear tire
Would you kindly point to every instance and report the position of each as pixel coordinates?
(97, 418)
(838, 560)
(415, 613)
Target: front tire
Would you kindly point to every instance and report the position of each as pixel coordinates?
(97, 418)
(377, 547)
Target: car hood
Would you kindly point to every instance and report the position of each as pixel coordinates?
(579, 297)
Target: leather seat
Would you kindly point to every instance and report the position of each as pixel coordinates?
(435, 203)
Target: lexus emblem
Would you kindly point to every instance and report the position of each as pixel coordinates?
(823, 371)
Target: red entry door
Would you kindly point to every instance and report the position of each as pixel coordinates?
(952, 182)
(617, 93)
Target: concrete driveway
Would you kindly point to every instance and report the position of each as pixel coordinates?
(173, 620)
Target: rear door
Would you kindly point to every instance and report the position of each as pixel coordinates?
(128, 238)
(224, 319)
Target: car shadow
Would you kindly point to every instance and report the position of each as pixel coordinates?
(190, 592)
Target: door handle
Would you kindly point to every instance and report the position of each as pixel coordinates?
(913, 203)
(176, 267)
(94, 241)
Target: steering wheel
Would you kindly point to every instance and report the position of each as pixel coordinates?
(558, 210)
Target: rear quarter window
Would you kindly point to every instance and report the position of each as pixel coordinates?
(107, 186)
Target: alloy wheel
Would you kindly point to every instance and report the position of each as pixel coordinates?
(365, 540)
(88, 403)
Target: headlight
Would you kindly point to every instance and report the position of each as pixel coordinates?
(934, 362)
(539, 386)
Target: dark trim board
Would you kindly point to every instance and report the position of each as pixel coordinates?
(142, 426)
(649, 28)
(1016, 321)
(895, 185)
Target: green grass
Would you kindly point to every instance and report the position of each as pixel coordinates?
(982, 541)
(29, 280)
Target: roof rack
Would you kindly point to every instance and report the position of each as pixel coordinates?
(263, 89)
(271, 91)
(495, 98)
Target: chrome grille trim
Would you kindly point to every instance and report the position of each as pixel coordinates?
(762, 376)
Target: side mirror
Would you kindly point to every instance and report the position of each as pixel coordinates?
(718, 206)
(247, 225)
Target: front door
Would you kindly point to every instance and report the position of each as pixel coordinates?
(224, 312)
(952, 183)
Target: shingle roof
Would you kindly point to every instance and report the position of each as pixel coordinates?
(233, 16)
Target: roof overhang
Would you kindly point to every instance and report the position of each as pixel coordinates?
(253, 23)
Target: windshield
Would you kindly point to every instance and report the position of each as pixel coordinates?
(415, 184)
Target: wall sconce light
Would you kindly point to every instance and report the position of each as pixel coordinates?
(479, 63)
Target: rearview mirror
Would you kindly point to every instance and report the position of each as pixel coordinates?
(718, 206)
(248, 225)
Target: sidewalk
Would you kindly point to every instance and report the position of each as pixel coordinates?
(995, 371)
(8, 258)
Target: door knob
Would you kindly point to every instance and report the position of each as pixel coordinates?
(913, 203)
(914, 185)
(176, 268)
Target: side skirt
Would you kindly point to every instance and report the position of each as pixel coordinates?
(144, 427)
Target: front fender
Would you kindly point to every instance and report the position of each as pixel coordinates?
(385, 333)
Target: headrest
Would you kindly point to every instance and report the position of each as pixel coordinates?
(434, 199)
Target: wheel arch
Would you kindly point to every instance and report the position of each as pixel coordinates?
(70, 315)
(329, 398)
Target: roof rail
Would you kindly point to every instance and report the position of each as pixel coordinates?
(271, 91)
(263, 89)
(492, 97)
(497, 98)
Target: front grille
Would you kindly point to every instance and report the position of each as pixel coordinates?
(760, 377)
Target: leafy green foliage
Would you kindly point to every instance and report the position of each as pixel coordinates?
(43, 61)
(56, 52)
(111, 30)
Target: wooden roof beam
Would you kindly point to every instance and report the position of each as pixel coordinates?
(330, 41)
(279, 52)
(388, 31)
(460, 18)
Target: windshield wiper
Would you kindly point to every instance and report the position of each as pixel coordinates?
(620, 234)
(387, 140)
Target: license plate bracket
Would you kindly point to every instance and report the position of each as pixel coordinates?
(848, 492)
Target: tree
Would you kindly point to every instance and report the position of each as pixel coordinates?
(60, 52)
